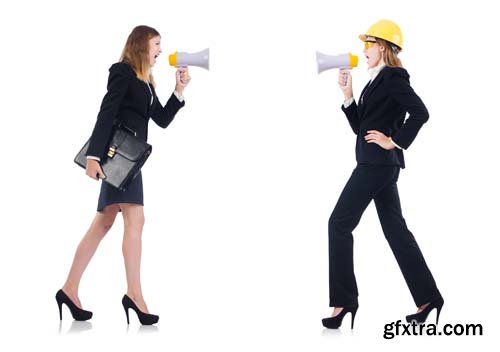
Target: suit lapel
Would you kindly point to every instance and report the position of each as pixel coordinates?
(361, 97)
(144, 87)
(154, 97)
(365, 94)
(147, 92)
(373, 85)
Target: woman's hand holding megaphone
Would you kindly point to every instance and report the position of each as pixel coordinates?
(345, 83)
(182, 79)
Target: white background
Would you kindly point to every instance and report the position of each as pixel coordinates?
(240, 187)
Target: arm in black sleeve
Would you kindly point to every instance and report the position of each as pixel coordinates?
(120, 75)
(398, 86)
(163, 115)
(352, 116)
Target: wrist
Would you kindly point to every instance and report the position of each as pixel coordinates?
(394, 144)
(390, 144)
(348, 96)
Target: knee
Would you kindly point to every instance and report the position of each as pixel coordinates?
(401, 238)
(106, 226)
(103, 225)
(134, 224)
(339, 227)
(140, 221)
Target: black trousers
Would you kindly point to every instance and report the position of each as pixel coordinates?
(375, 182)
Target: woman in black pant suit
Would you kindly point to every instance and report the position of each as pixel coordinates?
(130, 101)
(378, 120)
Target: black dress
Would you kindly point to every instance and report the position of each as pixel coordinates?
(130, 102)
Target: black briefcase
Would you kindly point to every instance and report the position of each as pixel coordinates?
(124, 159)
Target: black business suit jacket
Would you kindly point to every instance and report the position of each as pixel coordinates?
(383, 106)
(128, 102)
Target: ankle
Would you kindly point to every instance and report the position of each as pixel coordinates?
(424, 305)
(135, 296)
(70, 290)
(337, 311)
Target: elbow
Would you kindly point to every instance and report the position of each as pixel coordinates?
(425, 116)
(164, 124)
(421, 115)
(424, 113)
(161, 121)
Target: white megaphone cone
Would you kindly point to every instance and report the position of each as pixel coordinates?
(200, 59)
(327, 62)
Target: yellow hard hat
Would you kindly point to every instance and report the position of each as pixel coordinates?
(387, 30)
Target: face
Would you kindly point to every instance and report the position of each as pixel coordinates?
(154, 49)
(373, 52)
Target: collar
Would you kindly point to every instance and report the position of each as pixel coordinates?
(375, 71)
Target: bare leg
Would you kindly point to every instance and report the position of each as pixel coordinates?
(86, 249)
(336, 311)
(133, 218)
(421, 308)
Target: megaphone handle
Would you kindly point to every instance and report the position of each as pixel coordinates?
(344, 76)
(178, 74)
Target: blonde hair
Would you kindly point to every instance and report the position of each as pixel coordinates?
(390, 53)
(136, 52)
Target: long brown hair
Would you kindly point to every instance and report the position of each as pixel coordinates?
(390, 53)
(136, 51)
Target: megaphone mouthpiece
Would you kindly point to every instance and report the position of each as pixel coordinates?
(182, 59)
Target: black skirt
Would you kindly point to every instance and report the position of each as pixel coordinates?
(111, 195)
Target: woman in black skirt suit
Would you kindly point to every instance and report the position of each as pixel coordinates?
(378, 120)
(131, 100)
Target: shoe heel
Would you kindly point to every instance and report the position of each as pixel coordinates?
(59, 304)
(353, 314)
(437, 314)
(126, 313)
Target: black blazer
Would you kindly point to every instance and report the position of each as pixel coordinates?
(383, 107)
(128, 102)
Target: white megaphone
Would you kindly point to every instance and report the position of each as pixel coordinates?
(200, 59)
(344, 61)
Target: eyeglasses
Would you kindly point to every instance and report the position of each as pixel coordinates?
(369, 44)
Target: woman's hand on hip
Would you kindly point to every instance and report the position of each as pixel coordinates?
(182, 79)
(379, 138)
(345, 83)
(93, 170)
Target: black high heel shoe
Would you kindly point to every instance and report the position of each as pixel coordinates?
(422, 316)
(77, 313)
(144, 318)
(336, 321)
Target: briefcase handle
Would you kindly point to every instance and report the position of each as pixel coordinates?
(126, 128)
